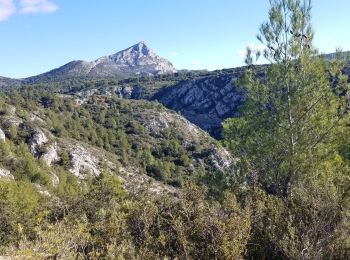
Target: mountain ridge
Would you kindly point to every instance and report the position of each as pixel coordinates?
(138, 59)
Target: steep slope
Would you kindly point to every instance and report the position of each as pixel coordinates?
(143, 143)
(203, 98)
(135, 60)
(206, 101)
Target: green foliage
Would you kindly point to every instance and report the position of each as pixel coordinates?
(27, 168)
(12, 132)
(288, 200)
(4, 149)
(18, 205)
(185, 161)
(65, 162)
(68, 186)
(104, 222)
(288, 137)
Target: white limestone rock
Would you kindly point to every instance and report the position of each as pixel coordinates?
(135, 60)
(2, 135)
(6, 174)
(51, 155)
(38, 139)
(204, 101)
(221, 159)
(83, 161)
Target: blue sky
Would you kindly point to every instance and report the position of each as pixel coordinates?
(39, 35)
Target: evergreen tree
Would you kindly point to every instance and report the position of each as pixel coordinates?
(293, 116)
(287, 139)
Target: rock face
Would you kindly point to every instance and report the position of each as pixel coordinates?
(127, 92)
(206, 102)
(221, 159)
(6, 174)
(2, 135)
(38, 139)
(82, 162)
(136, 60)
(51, 155)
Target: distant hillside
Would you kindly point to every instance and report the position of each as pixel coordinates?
(6, 83)
(135, 60)
(205, 98)
(330, 56)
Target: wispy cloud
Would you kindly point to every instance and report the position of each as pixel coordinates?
(174, 53)
(255, 48)
(11, 7)
(37, 6)
(7, 8)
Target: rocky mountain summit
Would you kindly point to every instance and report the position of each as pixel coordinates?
(138, 59)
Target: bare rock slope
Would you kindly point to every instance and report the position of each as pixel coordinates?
(138, 59)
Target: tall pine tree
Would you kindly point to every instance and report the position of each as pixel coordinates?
(287, 139)
(292, 116)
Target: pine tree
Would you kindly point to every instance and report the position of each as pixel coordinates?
(294, 114)
(287, 139)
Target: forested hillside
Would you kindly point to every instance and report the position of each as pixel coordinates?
(110, 167)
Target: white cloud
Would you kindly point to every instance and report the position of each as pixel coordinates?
(254, 47)
(37, 6)
(174, 53)
(7, 8)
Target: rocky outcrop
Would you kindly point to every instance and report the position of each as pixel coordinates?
(37, 139)
(221, 159)
(138, 59)
(51, 155)
(83, 162)
(2, 135)
(157, 124)
(9, 120)
(206, 102)
(6, 174)
(127, 92)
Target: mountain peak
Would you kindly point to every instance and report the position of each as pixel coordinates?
(141, 48)
(138, 59)
(141, 43)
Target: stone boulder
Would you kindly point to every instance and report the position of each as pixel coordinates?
(82, 162)
(37, 139)
(6, 174)
(51, 155)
